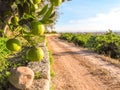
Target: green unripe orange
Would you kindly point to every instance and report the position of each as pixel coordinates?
(37, 28)
(13, 45)
(36, 1)
(14, 20)
(35, 54)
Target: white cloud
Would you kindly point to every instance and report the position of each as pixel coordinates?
(102, 21)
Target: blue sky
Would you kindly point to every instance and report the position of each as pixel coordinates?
(89, 15)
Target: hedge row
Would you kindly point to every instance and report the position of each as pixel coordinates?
(108, 43)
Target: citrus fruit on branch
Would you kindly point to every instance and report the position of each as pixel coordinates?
(35, 54)
(13, 45)
(37, 28)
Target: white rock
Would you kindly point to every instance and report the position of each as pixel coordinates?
(21, 77)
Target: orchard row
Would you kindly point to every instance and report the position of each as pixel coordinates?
(107, 44)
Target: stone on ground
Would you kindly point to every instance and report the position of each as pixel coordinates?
(21, 77)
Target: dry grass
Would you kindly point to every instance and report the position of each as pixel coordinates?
(112, 61)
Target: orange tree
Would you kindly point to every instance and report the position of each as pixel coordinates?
(26, 19)
(14, 14)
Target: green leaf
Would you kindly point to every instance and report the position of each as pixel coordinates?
(52, 15)
(27, 16)
(47, 15)
(31, 1)
(32, 8)
(43, 10)
(21, 2)
(47, 21)
(52, 1)
(17, 1)
(56, 2)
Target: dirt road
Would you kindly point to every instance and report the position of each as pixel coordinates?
(78, 69)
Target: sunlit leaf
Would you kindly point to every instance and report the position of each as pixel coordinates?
(43, 11)
(47, 15)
